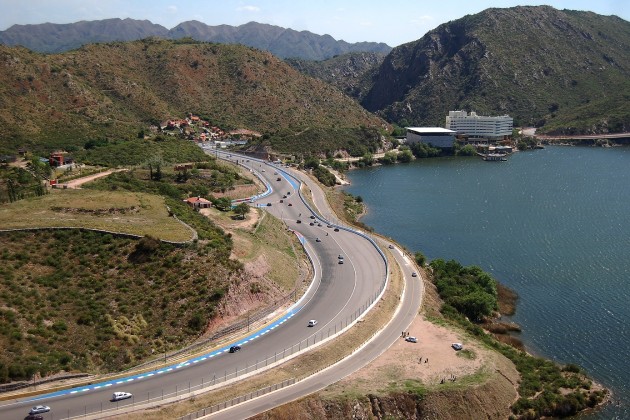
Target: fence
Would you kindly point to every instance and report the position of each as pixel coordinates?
(237, 400)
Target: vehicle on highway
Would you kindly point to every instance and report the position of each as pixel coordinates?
(312, 322)
(34, 417)
(411, 339)
(414, 274)
(317, 240)
(234, 349)
(38, 409)
(117, 396)
(457, 346)
(391, 246)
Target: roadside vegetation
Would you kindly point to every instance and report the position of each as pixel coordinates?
(546, 389)
(76, 300)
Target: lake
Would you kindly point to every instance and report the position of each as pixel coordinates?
(551, 224)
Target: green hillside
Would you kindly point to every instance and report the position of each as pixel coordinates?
(116, 90)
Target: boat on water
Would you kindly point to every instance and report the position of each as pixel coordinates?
(494, 157)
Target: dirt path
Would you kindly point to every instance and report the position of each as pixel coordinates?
(76, 183)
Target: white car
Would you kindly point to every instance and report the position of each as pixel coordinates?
(117, 396)
(38, 409)
(411, 339)
(457, 346)
(414, 274)
(312, 322)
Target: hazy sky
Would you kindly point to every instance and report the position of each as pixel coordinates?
(394, 22)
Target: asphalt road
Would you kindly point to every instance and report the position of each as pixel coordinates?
(335, 299)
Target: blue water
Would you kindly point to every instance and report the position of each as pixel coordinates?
(551, 224)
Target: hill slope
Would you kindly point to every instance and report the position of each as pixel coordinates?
(566, 71)
(117, 89)
(282, 42)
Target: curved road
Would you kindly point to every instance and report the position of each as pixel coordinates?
(337, 294)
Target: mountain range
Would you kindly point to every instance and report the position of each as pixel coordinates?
(281, 42)
(563, 71)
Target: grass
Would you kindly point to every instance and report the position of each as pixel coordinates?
(119, 211)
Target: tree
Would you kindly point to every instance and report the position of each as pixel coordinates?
(241, 210)
(223, 203)
(405, 156)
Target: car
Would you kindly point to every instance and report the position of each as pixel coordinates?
(312, 217)
(268, 204)
(319, 224)
(391, 246)
(282, 201)
(289, 193)
(414, 274)
(457, 346)
(117, 396)
(312, 322)
(340, 257)
(278, 179)
(38, 409)
(329, 226)
(275, 173)
(34, 417)
(411, 339)
(311, 224)
(234, 349)
(317, 240)
(262, 170)
(340, 261)
(284, 196)
(336, 229)
(290, 204)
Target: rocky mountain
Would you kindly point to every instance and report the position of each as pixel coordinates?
(564, 71)
(350, 72)
(117, 89)
(282, 42)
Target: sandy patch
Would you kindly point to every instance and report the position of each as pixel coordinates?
(430, 360)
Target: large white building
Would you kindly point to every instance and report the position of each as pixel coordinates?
(435, 136)
(473, 125)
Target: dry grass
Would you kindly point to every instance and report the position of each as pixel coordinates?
(124, 212)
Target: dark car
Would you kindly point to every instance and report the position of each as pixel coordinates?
(312, 217)
(282, 201)
(290, 204)
(268, 204)
(289, 193)
(278, 179)
(234, 349)
(34, 417)
(311, 224)
(298, 221)
(336, 229)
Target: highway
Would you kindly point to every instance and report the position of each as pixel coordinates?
(337, 296)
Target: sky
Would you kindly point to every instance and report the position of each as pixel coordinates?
(394, 22)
